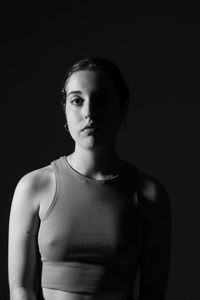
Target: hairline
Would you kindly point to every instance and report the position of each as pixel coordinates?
(87, 68)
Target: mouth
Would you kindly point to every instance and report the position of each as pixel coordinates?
(90, 129)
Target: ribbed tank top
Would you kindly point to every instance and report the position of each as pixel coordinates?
(90, 237)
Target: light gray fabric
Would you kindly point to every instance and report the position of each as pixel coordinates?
(90, 238)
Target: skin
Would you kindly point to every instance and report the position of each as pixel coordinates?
(94, 156)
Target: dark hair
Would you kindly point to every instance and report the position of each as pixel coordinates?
(99, 63)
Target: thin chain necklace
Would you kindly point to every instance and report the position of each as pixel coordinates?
(104, 178)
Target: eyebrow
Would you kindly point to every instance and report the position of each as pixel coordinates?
(99, 91)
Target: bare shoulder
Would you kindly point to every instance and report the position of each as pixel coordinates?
(152, 190)
(34, 185)
(37, 180)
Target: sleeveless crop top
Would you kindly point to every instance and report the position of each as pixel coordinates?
(90, 237)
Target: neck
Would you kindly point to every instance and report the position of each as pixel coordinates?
(95, 164)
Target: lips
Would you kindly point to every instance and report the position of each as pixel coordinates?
(90, 130)
(89, 127)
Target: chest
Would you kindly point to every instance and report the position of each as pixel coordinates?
(103, 225)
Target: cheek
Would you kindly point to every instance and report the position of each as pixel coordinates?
(73, 119)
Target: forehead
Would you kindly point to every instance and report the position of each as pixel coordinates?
(84, 80)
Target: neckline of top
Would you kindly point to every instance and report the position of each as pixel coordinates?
(75, 172)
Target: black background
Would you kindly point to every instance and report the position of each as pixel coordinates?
(159, 57)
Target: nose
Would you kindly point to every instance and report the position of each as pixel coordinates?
(89, 110)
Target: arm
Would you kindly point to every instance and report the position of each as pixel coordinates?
(22, 242)
(155, 255)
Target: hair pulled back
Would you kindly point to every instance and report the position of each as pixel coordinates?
(100, 63)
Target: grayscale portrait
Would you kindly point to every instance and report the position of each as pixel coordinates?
(98, 157)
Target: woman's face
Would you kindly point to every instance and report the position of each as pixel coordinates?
(92, 99)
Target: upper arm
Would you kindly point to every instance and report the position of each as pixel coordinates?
(156, 247)
(23, 227)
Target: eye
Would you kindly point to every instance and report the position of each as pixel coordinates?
(77, 101)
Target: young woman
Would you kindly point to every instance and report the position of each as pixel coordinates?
(81, 227)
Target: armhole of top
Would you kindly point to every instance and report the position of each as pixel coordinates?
(54, 198)
(138, 195)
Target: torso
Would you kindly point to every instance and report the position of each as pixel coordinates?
(49, 186)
